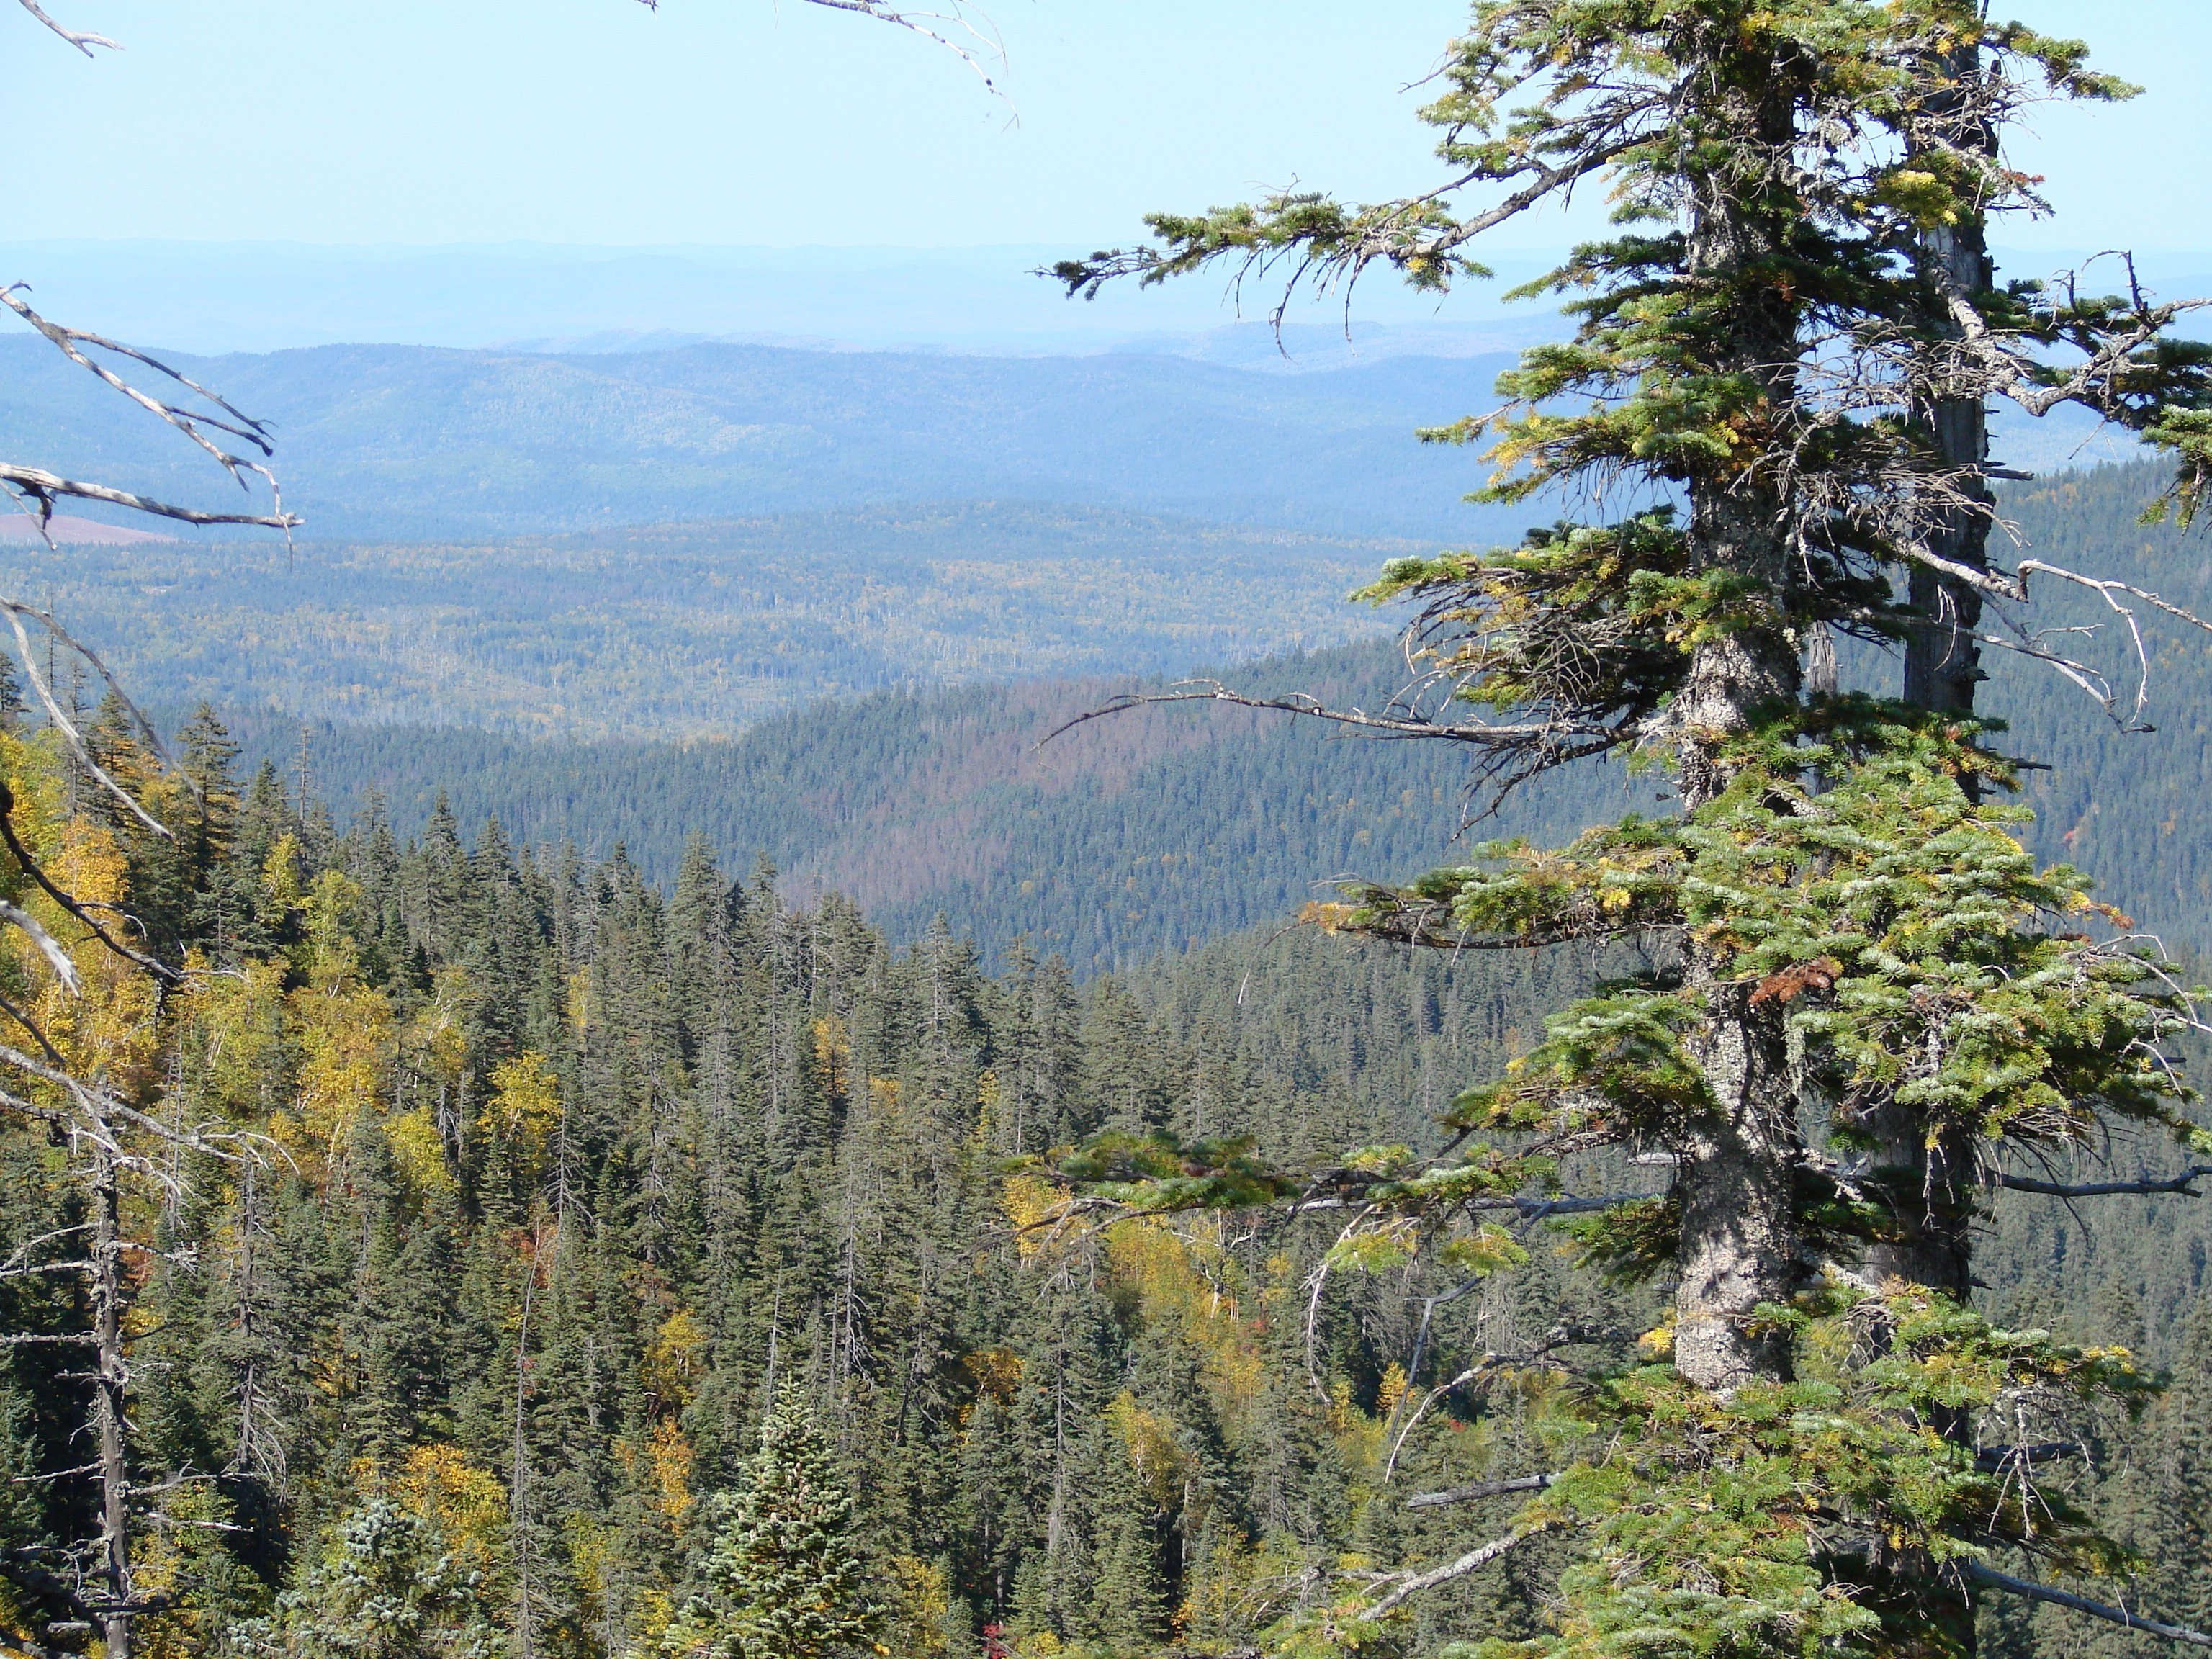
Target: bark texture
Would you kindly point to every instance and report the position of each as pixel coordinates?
(1737, 1170)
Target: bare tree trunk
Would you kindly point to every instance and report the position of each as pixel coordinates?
(109, 1405)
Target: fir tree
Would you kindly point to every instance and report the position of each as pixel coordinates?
(384, 1585)
(1852, 968)
(784, 1579)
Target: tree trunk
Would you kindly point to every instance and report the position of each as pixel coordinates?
(1736, 1171)
(1929, 1177)
(1737, 1168)
(109, 1405)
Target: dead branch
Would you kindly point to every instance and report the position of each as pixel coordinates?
(2035, 1592)
(15, 613)
(1480, 1489)
(188, 421)
(84, 43)
(940, 27)
(43, 487)
(2183, 1184)
(49, 947)
(1413, 1584)
(1311, 707)
(32, 868)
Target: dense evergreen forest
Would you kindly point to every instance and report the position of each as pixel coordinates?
(536, 1185)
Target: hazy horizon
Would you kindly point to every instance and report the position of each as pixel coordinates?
(214, 297)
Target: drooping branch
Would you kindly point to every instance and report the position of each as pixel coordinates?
(189, 422)
(2059, 1598)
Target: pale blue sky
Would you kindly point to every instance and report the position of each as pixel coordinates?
(744, 122)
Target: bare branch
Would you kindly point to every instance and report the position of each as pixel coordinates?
(49, 947)
(941, 27)
(1413, 1584)
(2183, 1184)
(188, 421)
(160, 969)
(1312, 707)
(84, 43)
(43, 487)
(2034, 1592)
(1480, 1489)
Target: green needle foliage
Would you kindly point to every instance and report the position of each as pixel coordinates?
(1839, 932)
(786, 1578)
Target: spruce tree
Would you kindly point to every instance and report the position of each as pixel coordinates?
(1850, 970)
(784, 1576)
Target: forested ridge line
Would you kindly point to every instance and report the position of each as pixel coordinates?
(1149, 832)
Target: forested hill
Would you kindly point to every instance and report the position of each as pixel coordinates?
(1147, 832)
(1154, 831)
(409, 443)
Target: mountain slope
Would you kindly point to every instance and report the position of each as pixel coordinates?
(1157, 830)
(1148, 832)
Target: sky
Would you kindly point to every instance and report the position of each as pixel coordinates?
(774, 123)
(505, 133)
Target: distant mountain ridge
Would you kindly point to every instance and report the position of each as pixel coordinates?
(408, 443)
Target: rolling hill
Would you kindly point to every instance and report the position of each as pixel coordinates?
(408, 443)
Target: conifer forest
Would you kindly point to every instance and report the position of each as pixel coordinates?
(1207, 1196)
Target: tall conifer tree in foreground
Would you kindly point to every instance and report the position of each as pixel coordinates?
(1863, 1004)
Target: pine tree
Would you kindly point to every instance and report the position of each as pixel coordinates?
(784, 1577)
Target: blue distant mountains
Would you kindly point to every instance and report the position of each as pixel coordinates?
(412, 443)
